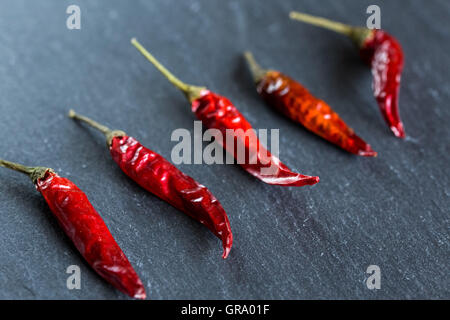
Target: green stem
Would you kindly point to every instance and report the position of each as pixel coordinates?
(258, 73)
(191, 92)
(322, 22)
(109, 134)
(358, 34)
(16, 167)
(34, 173)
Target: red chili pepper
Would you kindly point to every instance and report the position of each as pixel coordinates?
(385, 56)
(217, 112)
(158, 176)
(85, 228)
(295, 101)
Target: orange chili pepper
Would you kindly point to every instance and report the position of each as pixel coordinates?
(295, 101)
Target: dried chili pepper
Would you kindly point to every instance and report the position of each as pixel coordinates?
(85, 228)
(217, 112)
(385, 56)
(295, 101)
(158, 176)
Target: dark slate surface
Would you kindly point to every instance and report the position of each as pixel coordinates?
(290, 243)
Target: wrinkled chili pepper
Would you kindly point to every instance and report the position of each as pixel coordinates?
(158, 176)
(217, 112)
(295, 101)
(385, 56)
(84, 226)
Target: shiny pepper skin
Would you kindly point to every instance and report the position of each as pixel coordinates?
(295, 101)
(385, 56)
(218, 112)
(157, 175)
(84, 226)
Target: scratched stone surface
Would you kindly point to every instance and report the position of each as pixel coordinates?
(290, 243)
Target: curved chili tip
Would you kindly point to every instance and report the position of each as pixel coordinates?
(132, 289)
(365, 150)
(368, 153)
(277, 173)
(398, 130)
(227, 243)
(287, 178)
(140, 294)
(360, 147)
(294, 180)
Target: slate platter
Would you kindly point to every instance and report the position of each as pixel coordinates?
(290, 243)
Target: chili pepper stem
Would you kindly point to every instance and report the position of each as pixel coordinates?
(257, 72)
(109, 134)
(322, 22)
(16, 167)
(192, 92)
(358, 34)
(34, 173)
